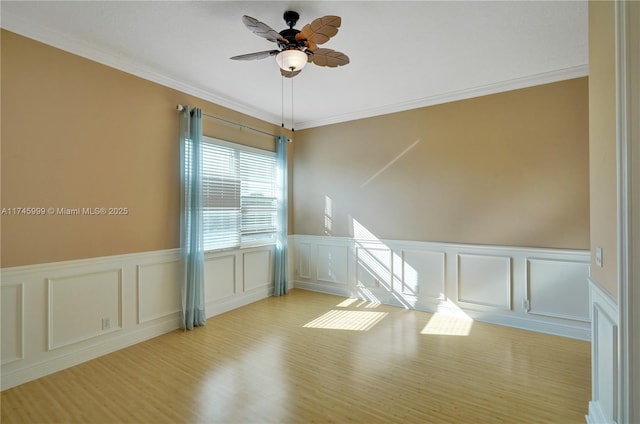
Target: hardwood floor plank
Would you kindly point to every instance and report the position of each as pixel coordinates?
(284, 360)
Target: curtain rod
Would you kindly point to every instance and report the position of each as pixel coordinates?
(181, 108)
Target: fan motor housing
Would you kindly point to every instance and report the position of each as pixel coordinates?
(290, 36)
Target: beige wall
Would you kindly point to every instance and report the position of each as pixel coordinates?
(602, 144)
(508, 169)
(504, 169)
(79, 134)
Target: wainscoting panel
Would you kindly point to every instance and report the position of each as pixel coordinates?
(303, 260)
(550, 282)
(423, 274)
(497, 284)
(12, 322)
(332, 264)
(60, 314)
(374, 267)
(220, 277)
(484, 281)
(159, 290)
(605, 361)
(84, 306)
(603, 408)
(257, 269)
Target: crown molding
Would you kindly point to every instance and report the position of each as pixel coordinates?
(467, 93)
(82, 48)
(123, 63)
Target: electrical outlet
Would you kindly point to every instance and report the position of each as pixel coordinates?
(599, 256)
(106, 323)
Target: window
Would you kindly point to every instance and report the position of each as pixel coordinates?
(238, 195)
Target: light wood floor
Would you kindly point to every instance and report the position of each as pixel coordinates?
(274, 361)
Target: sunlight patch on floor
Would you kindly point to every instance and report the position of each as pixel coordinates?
(347, 302)
(448, 325)
(347, 320)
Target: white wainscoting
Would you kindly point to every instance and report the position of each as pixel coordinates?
(542, 290)
(83, 306)
(12, 322)
(484, 281)
(603, 408)
(60, 314)
(159, 291)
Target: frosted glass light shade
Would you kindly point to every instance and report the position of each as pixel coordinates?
(291, 60)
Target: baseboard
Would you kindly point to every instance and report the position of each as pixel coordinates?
(229, 304)
(322, 288)
(596, 416)
(78, 356)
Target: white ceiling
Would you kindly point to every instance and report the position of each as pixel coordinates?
(403, 54)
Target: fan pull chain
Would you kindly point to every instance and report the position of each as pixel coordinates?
(292, 129)
(282, 99)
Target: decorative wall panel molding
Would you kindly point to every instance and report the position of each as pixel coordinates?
(374, 267)
(64, 304)
(221, 277)
(423, 274)
(83, 306)
(484, 281)
(551, 281)
(12, 322)
(603, 408)
(159, 290)
(333, 263)
(257, 269)
(302, 258)
(520, 287)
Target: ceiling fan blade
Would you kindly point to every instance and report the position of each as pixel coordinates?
(256, 55)
(289, 74)
(320, 30)
(263, 30)
(330, 58)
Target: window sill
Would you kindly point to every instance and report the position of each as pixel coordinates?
(231, 249)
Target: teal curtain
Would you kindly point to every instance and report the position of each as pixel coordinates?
(280, 265)
(191, 241)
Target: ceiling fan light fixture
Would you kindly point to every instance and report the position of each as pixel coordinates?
(291, 60)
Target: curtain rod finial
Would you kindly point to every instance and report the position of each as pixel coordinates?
(180, 108)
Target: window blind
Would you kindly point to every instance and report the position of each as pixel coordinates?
(239, 195)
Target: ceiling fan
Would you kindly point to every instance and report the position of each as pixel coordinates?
(297, 47)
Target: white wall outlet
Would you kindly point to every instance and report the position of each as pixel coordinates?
(106, 323)
(599, 256)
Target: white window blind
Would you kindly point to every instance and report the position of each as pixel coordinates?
(239, 195)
